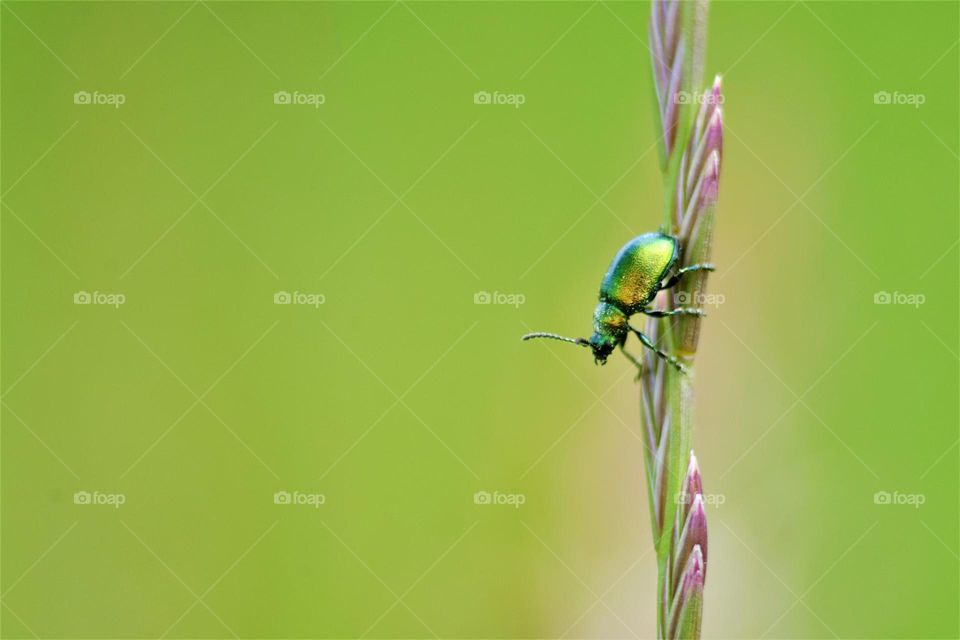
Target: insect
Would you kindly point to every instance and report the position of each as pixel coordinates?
(641, 269)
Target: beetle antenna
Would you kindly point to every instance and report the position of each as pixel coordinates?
(580, 341)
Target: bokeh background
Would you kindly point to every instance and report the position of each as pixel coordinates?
(395, 203)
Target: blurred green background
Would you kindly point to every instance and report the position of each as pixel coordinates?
(395, 203)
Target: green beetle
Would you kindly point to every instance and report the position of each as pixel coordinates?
(641, 269)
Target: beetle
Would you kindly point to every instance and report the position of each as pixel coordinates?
(640, 270)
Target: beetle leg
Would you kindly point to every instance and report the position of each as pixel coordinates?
(682, 311)
(675, 278)
(649, 345)
(634, 360)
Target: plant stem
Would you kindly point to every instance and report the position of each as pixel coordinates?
(690, 160)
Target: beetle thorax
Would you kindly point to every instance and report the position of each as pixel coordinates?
(609, 330)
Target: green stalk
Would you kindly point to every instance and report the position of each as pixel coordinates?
(690, 160)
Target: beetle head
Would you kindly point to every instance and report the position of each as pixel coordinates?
(609, 331)
(602, 346)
